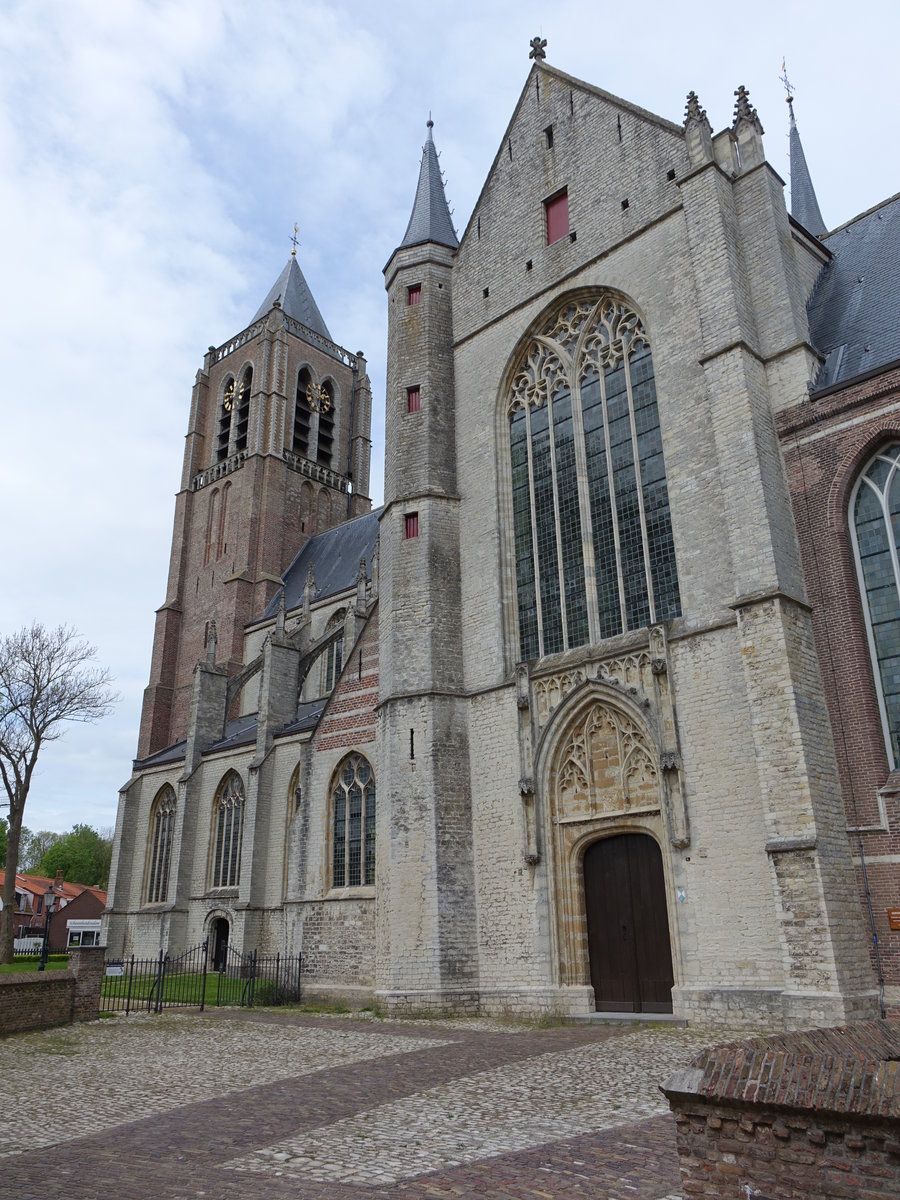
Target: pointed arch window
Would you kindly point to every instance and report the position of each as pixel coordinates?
(242, 410)
(353, 824)
(162, 832)
(874, 526)
(228, 832)
(300, 437)
(594, 551)
(226, 408)
(333, 656)
(325, 442)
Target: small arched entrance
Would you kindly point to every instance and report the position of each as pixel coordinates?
(219, 943)
(627, 925)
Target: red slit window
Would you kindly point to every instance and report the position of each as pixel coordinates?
(413, 400)
(414, 294)
(557, 217)
(412, 525)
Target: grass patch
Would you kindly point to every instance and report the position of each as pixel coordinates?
(56, 962)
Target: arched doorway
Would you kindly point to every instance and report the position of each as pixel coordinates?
(627, 925)
(219, 943)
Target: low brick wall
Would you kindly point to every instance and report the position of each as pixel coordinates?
(41, 999)
(814, 1114)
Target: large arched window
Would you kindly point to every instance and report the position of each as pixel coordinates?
(302, 410)
(162, 831)
(353, 823)
(874, 524)
(228, 832)
(223, 433)
(242, 410)
(333, 656)
(593, 536)
(325, 440)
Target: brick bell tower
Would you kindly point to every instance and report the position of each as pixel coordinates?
(426, 926)
(277, 449)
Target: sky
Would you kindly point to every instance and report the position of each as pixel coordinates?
(154, 156)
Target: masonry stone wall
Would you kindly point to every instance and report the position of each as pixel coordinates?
(804, 1115)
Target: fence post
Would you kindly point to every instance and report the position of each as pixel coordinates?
(203, 986)
(160, 970)
(130, 981)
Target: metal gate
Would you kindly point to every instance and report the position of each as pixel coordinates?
(188, 981)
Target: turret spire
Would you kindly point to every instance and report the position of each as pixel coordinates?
(804, 205)
(430, 220)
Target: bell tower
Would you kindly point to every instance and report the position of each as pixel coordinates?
(426, 947)
(277, 449)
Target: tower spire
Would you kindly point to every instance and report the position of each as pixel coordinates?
(804, 205)
(430, 220)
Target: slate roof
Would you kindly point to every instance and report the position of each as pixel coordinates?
(292, 290)
(804, 205)
(854, 311)
(430, 220)
(171, 754)
(334, 557)
(239, 732)
(308, 714)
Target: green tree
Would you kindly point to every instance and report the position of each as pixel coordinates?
(83, 855)
(47, 678)
(33, 847)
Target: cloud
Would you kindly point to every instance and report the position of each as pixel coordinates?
(156, 155)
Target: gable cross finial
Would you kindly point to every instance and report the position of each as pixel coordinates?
(538, 49)
(787, 87)
(295, 240)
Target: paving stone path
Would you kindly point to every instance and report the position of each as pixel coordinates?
(278, 1105)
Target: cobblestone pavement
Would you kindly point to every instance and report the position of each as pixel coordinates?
(274, 1105)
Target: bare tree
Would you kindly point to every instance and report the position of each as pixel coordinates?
(47, 678)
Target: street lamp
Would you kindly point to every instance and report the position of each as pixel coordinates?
(49, 906)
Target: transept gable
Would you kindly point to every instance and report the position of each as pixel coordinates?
(616, 164)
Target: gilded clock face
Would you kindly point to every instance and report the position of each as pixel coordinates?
(233, 393)
(318, 398)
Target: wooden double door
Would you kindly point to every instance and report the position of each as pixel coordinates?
(628, 925)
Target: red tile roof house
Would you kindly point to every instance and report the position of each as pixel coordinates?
(31, 891)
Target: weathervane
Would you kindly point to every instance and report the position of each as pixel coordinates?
(787, 86)
(295, 241)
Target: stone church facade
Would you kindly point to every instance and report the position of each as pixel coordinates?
(597, 710)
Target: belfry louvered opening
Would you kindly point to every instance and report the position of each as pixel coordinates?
(593, 534)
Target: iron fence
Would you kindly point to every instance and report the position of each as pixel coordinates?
(189, 980)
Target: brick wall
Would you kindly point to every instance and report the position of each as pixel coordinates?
(798, 1115)
(827, 441)
(39, 1000)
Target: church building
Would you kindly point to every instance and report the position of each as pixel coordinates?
(601, 709)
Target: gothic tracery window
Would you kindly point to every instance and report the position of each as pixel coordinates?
(228, 832)
(333, 656)
(593, 537)
(353, 824)
(875, 524)
(162, 831)
(242, 410)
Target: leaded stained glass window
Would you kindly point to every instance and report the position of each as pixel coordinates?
(353, 824)
(875, 525)
(593, 534)
(162, 831)
(228, 832)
